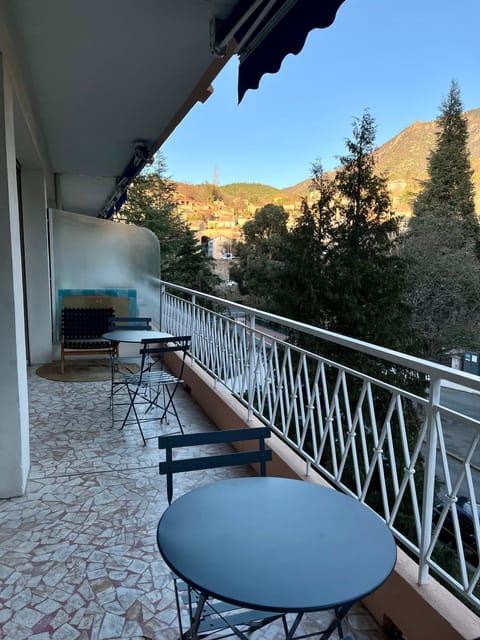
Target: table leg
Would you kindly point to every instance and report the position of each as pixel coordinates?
(201, 605)
(336, 623)
(324, 634)
(205, 607)
(192, 633)
(290, 632)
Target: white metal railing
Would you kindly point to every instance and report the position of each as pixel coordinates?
(387, 443)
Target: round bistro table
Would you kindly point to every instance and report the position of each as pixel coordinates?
(277, 544)
(134, 335)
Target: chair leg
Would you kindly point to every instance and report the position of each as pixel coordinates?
(149, 393)
(169, 406)
(112, 373)
(173, 409)
(130, 408)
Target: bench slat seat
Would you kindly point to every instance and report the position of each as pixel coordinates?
(87, 344)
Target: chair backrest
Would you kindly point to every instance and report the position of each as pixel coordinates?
(170, 442)
(84, 324)
(131, 322)
(153, 349)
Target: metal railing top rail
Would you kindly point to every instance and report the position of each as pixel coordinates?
(431, 369)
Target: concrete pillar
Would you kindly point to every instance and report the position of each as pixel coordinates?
(37, 268)
(14, 426)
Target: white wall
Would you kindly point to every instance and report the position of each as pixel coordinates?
(90, 253)
(37, 269)
(14, 425)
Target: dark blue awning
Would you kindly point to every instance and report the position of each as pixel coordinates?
(274, 30)
(139, 159)
(264, 31)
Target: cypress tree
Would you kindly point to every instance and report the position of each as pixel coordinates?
(441, 247)
(449, 189)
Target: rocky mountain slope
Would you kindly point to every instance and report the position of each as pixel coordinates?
(403, 158)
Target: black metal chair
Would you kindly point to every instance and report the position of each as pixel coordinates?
(135, 323)
(260, 455)
(125, 363)
(151, 391)
(216, 616)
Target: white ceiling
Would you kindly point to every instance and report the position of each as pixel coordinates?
(102, 74)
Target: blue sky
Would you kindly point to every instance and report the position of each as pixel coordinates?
(394, 57)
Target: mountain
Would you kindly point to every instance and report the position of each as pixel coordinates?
(236, 194)
(403, 159)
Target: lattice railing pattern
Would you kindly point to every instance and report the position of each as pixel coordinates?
(380, 442)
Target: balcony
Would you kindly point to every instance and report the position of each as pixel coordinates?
(78, 557)
(77, 553)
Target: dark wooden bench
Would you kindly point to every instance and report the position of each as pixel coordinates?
(82, 331)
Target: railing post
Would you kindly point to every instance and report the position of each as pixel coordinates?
(251, 365)
(193, 318)
(193, 327)
(162, 296)
(429, 477)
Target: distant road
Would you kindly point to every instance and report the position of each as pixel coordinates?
(458, 436)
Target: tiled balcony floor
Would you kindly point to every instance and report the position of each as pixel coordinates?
(78, 555)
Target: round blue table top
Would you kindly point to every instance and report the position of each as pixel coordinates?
(134, 335)
(276, 544)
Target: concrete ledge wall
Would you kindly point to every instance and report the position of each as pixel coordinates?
(426, 611)
(421, 612)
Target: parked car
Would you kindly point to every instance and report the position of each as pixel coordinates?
(465, 512)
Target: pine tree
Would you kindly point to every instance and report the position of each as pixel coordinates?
(363, 265)
(343, 271)
(307, 289)
(259, 270)
(151, 204)
(343, 262)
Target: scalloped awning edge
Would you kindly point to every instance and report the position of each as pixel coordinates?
(287, 36)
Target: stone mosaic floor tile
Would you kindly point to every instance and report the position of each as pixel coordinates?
(78, 554)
